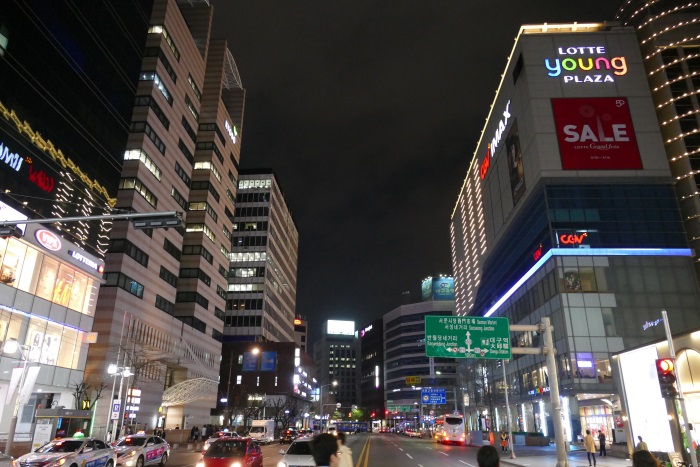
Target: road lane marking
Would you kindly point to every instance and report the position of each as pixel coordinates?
(420, 465)
(364, 451)
(400, 449)
(443, 453)
(467, 463)
(409, 456)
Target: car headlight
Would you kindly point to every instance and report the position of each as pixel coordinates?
(57, 463)
(200, 464)
(206, 446)
(236, 464)
(281, 464)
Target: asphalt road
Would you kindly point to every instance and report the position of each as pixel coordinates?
(375, 450)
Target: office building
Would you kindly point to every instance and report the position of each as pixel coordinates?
(568, 211)
(263, 271)
(300, 332)
(336, 355)
(372, 370)
(160, 313)
(407, 370)
(668, 34)
(277, 377)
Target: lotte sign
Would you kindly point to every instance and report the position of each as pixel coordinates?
(467, 337)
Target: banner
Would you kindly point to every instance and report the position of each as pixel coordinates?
(596, 134)
(268, 361)
(250, 361)
(515, 163)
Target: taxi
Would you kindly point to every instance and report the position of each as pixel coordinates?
(70, 452)
(141, 449)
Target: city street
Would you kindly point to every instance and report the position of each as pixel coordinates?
(393, 450)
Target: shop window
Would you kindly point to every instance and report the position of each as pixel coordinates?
(12, 262)
(64, 285)
(47, 278)
(30, 271)
(603, 370)
(583, 365)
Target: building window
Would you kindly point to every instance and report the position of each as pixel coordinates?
(198, 250)
(140, 155)
(239, 377)
(131, 250)
(195, 88)
(168, 276)
(138, 186)
(153, 76)
(165, 305)
(179, 198)
(207, 165)
(117, 279)
(189, 297)
(195, 273)
(164, 32)
(191, 108)
(185, 152)
(148, 101)
(143, 127)
(183, 176)
(188, 129)
(201, 228)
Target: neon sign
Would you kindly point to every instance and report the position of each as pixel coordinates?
(580, 64)
(12, 159)
(48, 240)
(651, 324)
(297, 322)
(572, 239)
(365, 330)
(483, 170)
(538, 253)
(87, 261)
(41, 179)
(502, 125)
(232, 132)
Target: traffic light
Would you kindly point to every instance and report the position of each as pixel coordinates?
(10, 231)
(666, 371)
(374, 414)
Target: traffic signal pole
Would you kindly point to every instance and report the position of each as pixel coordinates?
(681, 400)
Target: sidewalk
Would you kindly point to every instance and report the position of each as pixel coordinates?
(546, 456)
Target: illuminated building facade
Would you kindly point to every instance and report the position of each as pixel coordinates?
(301, 333)
(668, 32)
(48, 293)
(568, 211)
(161, 309)
(372, 369)
(336, 355)
(262, 288)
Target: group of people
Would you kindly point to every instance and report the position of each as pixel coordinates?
(641, 457)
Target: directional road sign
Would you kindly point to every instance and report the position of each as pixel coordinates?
(433, 396)
(467, 337)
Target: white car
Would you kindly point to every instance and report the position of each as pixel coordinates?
(71, 452)
(141, 449)
(298, 454)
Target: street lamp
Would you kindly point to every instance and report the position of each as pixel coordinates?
(334, 383)
(115, 371)
(12, 346)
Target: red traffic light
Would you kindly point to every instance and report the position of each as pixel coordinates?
(665, 365)
(665, 371)
(374, 414)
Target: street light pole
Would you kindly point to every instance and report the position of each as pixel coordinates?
(10, 347)
(334, 383)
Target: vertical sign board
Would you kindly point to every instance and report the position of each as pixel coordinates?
(467, 337)
(116, 408)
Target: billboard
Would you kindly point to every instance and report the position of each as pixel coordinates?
(515, 163)
(595, 134)
(250, 361)
(426, 289)
(343, 328)
(268, 361)
(443, 288)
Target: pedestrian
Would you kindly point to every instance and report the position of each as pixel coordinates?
(192, 433)
(601, 441)
(196, 433)
(324, 448)
(204, 432)
(589, 444)
(487, 456)
(644, 458)
(641, 445)
(345, 451)
(504, 441)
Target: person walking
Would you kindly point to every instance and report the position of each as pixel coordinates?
(601, 441)
(345, 451)
(589, 444)
(641, 445)
(487, 456)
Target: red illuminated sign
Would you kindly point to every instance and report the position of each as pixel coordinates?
(596, 134)
(41, 179)
(486, 163)
(538, 254)
(297, 322)
(572, 239)
(48, 240)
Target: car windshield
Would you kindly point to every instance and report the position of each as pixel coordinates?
(257, 429)
(131, 442)
(453, 420)
(60, 446)
(232, 448)
(299, 448)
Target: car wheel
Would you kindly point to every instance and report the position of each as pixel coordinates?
(109, 463)
(139, 462)
(164, 459)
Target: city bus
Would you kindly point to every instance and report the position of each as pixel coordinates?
(351, 427)
(449, 429)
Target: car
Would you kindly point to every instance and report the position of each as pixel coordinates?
(141, 449)
(232, 452)
(71, 452)
(288, 435)
(298, 454)
(305, 432)
(219, 435)
(413, 433)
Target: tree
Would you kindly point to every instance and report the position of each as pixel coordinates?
(85, 389)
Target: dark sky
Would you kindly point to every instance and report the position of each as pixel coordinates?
(369, 113)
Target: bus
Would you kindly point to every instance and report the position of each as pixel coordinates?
(449, 429)
(351, 427)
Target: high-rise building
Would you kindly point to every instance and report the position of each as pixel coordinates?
(372, 369)
(336, 355)
(262, 285)
(160, 313)
(668, 32)
(301, 333)
(568, 211)
(407, 370)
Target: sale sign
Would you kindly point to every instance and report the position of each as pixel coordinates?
(596, 134)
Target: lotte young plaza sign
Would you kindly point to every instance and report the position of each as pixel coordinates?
(467, 337)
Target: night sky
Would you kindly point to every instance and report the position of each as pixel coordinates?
(369, 113)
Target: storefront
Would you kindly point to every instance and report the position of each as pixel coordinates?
(48, 291)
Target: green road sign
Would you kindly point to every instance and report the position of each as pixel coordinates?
(467, 337)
